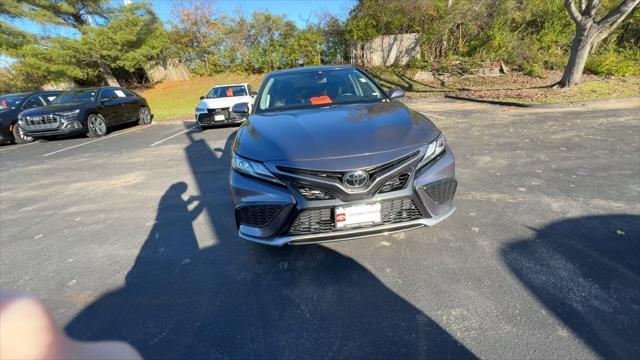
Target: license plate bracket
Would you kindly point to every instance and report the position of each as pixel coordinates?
(357, 215)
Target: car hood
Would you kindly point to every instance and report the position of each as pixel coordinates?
(297, 137)
(220, 103)
(53, 108)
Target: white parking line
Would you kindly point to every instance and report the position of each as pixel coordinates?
(174, 135)
(11, 147)
(95, 140)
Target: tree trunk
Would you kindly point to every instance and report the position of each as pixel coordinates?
(108, 75)
(583, 43)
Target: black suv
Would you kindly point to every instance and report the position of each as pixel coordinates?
(12, 104)
(89, 111)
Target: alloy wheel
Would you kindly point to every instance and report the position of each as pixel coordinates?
(97, 125)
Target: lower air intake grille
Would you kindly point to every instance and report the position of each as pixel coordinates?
(322, 221)
(395, 184)
(399, 210)
(441, 191)
(313, 221)
(257, 215)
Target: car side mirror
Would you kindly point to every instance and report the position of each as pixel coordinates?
(201, 97)
(254, 93)
(240, 109)
(395, 93)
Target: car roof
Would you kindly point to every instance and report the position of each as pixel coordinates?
(29, 93)
(221, 85)
(311, 68)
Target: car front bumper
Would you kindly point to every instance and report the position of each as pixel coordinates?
(426, 200)
(209, 118)
(54, 132)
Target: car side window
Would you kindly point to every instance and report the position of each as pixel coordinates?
(48, 98)
(33, 102)
(107, 94)
(127, 92)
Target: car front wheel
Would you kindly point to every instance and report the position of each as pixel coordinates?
(19, 137)
(96, 125)
(144, 116)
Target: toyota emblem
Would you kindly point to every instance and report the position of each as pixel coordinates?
(355, 179)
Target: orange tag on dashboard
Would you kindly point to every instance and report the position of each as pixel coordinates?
(317, 100)
(229, 92)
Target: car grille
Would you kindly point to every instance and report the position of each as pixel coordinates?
(313, 221)
(394, 184)
(441, 191)
(311, 193)
(257, 215)
(221, 111)
(337, 175)
(44, 122)
(322, 220)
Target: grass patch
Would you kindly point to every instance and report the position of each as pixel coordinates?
(178, 99)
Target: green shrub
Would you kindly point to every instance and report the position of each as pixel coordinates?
(615, 63)
(532, 69)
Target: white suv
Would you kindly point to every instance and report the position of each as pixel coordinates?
(215, 108)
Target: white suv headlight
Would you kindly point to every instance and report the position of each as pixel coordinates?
(434, 149)
(253, 168)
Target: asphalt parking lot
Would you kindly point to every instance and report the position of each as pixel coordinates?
(132, 237)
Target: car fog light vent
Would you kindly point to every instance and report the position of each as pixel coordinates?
(310, 193)
(441, 191)
(257, 215)
(395, 184)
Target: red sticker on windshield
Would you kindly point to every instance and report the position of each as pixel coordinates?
(317, 100)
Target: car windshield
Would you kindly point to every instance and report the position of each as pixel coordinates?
(317, 88)
(77, 95)
(227, 91)
(11, 101)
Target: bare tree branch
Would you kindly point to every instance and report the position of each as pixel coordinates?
(573, 12)
(617, 15)
(592, 7)
(582, 5)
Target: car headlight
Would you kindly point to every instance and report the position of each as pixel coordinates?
(253, 168)
(434, 149)
(200, 110)
(68, 115)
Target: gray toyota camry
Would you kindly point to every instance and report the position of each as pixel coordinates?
(326, 155)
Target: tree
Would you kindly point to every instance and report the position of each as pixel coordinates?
(77, 15)
(198, 32)
(589, 32)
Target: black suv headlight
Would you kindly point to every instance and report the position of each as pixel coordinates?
(68, 115)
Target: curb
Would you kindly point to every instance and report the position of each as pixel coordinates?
(539, 106)
(493, 102)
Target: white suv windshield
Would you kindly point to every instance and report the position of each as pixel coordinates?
(227, 91)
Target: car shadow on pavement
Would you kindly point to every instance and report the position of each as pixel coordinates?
(586, 271)
(240, 300)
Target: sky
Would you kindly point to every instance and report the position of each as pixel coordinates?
(299, 11)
